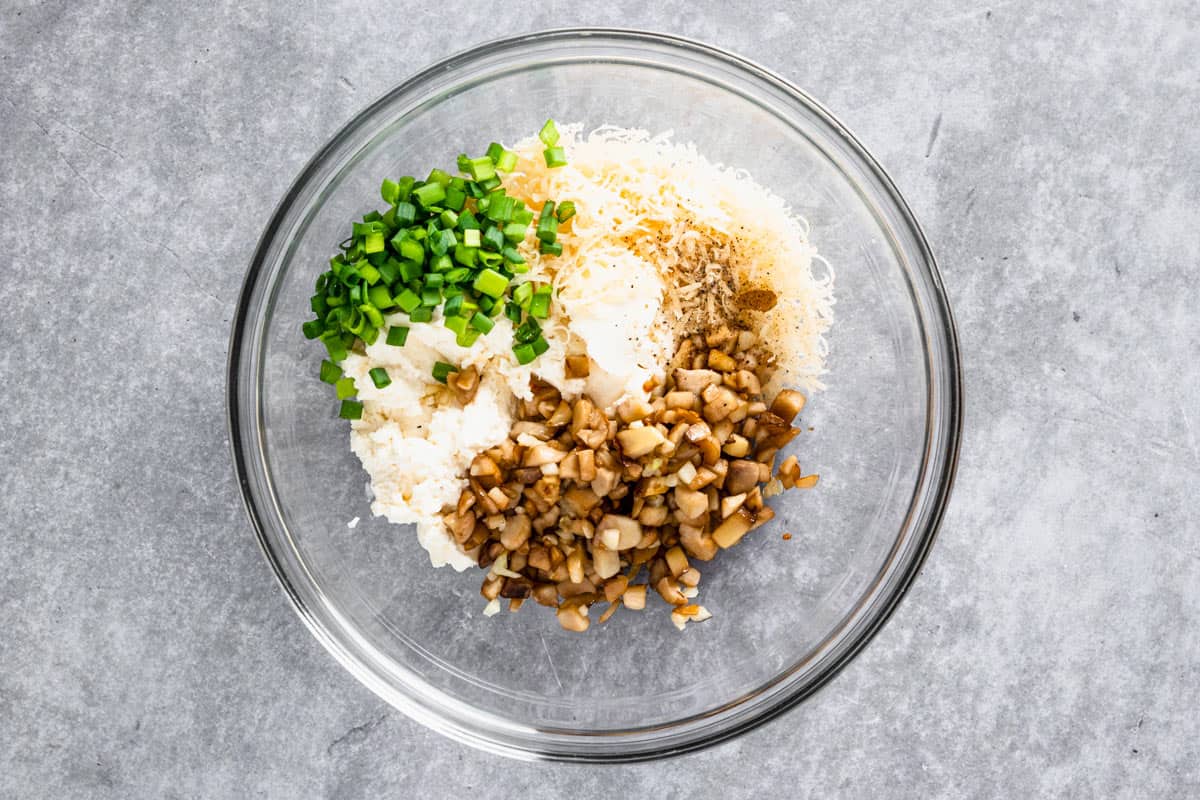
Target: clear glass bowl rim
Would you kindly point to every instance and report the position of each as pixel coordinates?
(943, 434)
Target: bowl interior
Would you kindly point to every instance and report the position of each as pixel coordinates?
(416, 634)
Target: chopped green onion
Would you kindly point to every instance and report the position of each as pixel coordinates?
(540, 345)
(410, 271)
(458, 275)
(524, 216)
(501, 208)
(489, 185)
(453, 306)
(515, 231)
(345, 388)
(489, 259)
(566, 210)
(351, 409)
(390, 191)
(330, 372)
(493, 238)
(421, 314)
(406, 213)
(471, 237)
(522, 294)
(397, 335)
(406, 186)
(446, 240)
(439, 176)
(372, 314)
(491, 283)
(549, 133)
(380, 298)
(527, 331)
(494, 150)
(467, 220)
(512, 255)
(481, 168)
(389, 270)
(334, 344)
(430, 194)
(507, 161)
(408, 300)
(435, 280)
(442, 263)
(555, 157)
(524, 353)
(456, 198)
(466, 338)
(313, 328)
(466, 255)
(380, 376)
(431, 296)
(513, 312)
(481, 322)
(550, 248)
(373, 243)
(539, 307)
(411, 250)
(455, 323)
(441, 369)
(368, 273)
(547, 229)
(369, 334)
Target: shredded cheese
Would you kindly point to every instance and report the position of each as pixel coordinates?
(709, 231)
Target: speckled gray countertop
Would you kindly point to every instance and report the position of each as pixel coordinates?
(1052, 645)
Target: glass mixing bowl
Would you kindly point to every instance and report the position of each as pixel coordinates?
(788, 614)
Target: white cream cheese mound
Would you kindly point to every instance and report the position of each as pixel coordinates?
(657, 228)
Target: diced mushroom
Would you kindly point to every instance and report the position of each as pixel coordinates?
(691, 503)
(678, 399)
(587, 465)
(630, 530)
(731, 503)
(697, 543)
(738, 446)
(676, 561)
(695, 380)
(637, 442)
(721, 361)
(545, 594)
(635, 597)
(578, 501)
(606, 480)
(517, 529)
(578, 366)
(607, 563)
(541, 454)
(719, 403)
(633, 408)
(787, 404)
(573, 618)
(742, 477)
(485, 470)
(518, 588)
(731, 531)
(667, 589)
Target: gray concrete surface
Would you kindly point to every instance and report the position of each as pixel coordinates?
(1051, 647)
